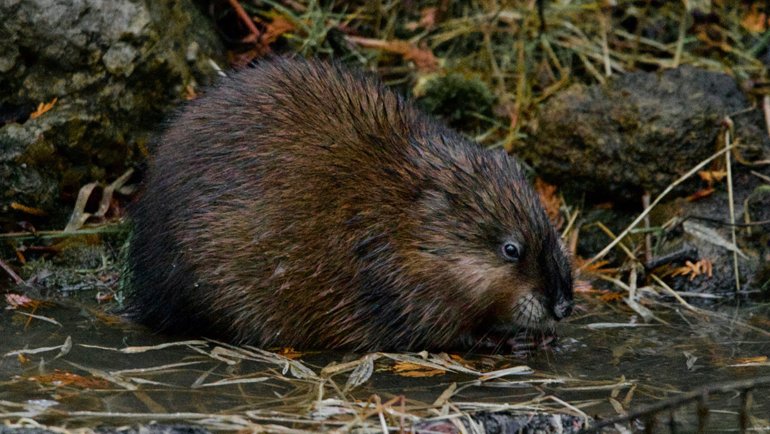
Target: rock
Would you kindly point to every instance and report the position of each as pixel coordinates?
(704, 230)
(115, 69)
(639, 132)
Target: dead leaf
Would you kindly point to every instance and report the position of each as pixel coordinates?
(42, 108)
(79, 215)
(551, 202)
(711, 236)
(585, 287)
(700, 194)
(755, 19)
(428, 19)
(610, 297)
(16, 301)
(596, 267)
(189, 92)
(276, 28)
(290, 353)
(62, 378)
(408, 369)
(712, 176)
(755, 359)
(28, 209)
(703, 266)
(423, 58)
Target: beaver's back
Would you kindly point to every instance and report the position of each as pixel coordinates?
(281, 167)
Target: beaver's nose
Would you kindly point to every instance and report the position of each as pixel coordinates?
(562, 308)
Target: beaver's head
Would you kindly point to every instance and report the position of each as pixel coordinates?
(483, 225)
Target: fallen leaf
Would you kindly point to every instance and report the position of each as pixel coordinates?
(42, 108)
(551, 202)
(28, 209)
(428, 19)
(189, 92)
(693, 270)
(700, 194)
(755, 19)
(276, 28)
(585, 287)
(711, 176)
(408, 369)
(290, 353)
(755, 359)
(62, 378)
(423, 58)
(611, 297)
(16, 301)
(596, 267)
(711, 236)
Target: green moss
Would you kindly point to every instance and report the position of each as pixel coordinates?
(462, 102)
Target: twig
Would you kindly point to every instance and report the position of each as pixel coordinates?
(674, 293)
(654, 203)
(647, 235)
(612, 235)
(680, 40)
(678, 401)
(766, 111)
(605, 45)
(18, 280)
(110, 228)
(246, 20)
(761, 176)
(731, 202)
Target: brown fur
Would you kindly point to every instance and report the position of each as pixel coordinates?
(301, 204)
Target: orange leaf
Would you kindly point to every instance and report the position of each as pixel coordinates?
(755, 20)
(585, 287)
(551, 201)
(700, 194)
(755, 359)
(42, 108)
(712, 175)
(595, 267)
(611, 297)
(27, 209)
(423, 58)
(189, 92)
(290, 353)
(18, 300)
(407, 369)
(276, 28)
(693, 270)
(61, 378)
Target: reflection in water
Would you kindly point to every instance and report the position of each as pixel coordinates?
(70, 363)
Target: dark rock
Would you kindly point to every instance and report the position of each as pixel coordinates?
(115, 68)
(705, 230)
(639, 132)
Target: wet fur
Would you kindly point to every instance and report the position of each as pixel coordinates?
(301, 204)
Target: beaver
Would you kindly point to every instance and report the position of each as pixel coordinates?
(302, 204)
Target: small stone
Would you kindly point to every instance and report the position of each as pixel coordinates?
(119, 59)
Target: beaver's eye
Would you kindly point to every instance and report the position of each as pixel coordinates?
(511, 251)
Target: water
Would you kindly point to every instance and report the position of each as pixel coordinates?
(598, 371)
